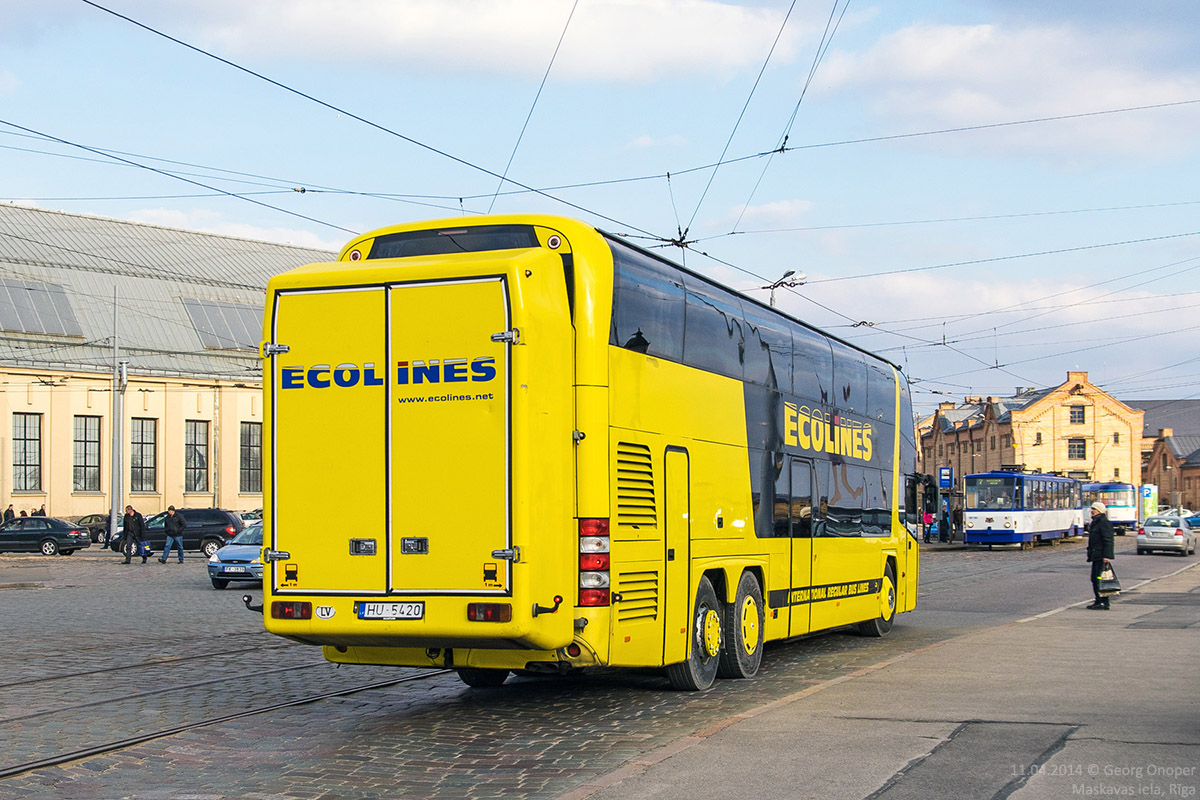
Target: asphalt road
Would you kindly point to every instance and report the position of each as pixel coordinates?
(153, 685)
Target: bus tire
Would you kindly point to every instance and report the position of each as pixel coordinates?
(742, 642)
(881, 625)
(479, 678)
(699, 671)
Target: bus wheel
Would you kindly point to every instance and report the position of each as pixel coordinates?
(704, 645)
(741, 650)
(887, 607)
(482, 678)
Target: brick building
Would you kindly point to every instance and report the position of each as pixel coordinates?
(1074, 429)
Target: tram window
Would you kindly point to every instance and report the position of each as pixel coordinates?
(845, 514)
(768, 350)
(1027, 493)
(881, 391)
(712, 336)
(801, 500)
(812, 366)
(849, 379)
(648, 303)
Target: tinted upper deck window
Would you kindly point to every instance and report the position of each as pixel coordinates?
(446, 241)
(713, 338)
(648, 304)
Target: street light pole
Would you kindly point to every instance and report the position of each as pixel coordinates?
(790, 278)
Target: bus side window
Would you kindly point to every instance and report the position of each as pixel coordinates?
(712, 337)
(812, 367)
(801, 499)
(765, 469)
(783, 502)
(648, 305)
(849, 379)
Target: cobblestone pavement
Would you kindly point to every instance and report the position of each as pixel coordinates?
(101, 652)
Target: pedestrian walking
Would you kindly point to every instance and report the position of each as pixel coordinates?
(9, 513)
(926, 522)
(41, 512)
(1100, 550)
(135, 532)
(24, 513)
(175, 523)
(958, 523)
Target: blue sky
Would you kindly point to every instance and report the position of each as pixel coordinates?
(986, 256)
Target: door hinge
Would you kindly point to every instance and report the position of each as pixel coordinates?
(512, 337)
(271, 349)
(512, 554)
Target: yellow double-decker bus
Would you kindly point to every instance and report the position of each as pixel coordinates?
(556, 450)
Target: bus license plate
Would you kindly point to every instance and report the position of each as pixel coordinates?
(391, 610)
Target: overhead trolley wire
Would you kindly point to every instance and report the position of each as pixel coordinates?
(683, 233)
(536, 97)
(377, 126)
(822, 48)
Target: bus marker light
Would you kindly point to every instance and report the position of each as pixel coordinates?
(489, 612)
(593, 544)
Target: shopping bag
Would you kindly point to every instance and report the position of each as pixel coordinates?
(1108, 583)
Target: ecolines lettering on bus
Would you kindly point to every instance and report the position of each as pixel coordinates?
(818, 431)
(347, 375)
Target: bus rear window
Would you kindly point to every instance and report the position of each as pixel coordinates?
(467, 239)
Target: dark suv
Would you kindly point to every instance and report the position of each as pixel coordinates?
(208, 530)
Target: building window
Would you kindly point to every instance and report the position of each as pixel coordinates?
(1037, 439)
(27, 452)
(143, 456)
(1116, 472)
(939, 451)
(1077, 415)
(993, 443)
(1006, 440)
(251, 462)
(1076, 448)
(1117, 438)
(195, 456)
(87, 454)
(949, 449)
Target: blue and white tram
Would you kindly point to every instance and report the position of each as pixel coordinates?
(1021, 508)
(1122, 502)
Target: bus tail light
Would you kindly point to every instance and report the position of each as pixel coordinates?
(593, 597)
(590, 562)
(489, 612)
(594, 562)
(281, 609)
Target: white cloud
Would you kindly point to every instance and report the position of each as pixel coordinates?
(611, 40)
(212, 222)
(939, 76)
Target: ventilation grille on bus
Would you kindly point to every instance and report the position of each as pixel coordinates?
(635, 486)
(639, 596)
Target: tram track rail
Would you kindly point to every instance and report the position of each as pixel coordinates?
(163, 733)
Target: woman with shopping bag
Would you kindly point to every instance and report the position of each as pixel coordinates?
(1100, 551)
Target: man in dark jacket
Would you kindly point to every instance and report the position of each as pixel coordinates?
(135, 532)
(175, 523)
(1100, 550)
(9, 513)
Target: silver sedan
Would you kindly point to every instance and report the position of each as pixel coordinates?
(1166, 532)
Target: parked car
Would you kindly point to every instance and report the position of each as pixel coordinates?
(1166, 532)
(46, 535)
(240, 560)
(250, 516)
(96, 525)
(208, 530)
